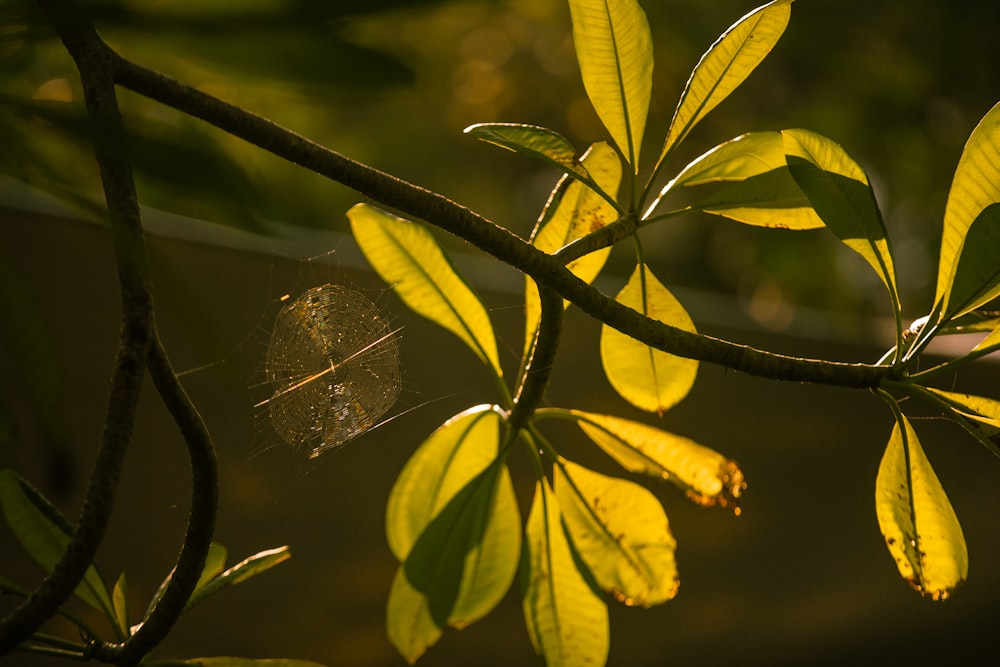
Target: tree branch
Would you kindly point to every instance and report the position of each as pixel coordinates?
(201, 522)
(138, 347)
(95, 62)
(536, 375)
(437, 210)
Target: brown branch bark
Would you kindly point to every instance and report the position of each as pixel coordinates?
(437, 210)
(138, 348)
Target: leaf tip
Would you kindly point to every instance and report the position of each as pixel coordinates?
(732, 484)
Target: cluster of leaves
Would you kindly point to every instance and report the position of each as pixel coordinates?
(44, 533)
(452, 520)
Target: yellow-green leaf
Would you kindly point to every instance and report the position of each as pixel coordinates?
(726, 64)
(621, 532)
(757, 188)
(978, 414)
(615, 53)
(246, 569)
(45, 533)
(409, 624)
(119, 601)
(537, 142)
(215, 564)
(408, 258)
(461, 565)
(453, 519)
(970, 267)
(458, 451)
(573, 211)
(648, 378)
(567, 621)
(991, 342)
(919, 525)
(706, 476)
(842, 196)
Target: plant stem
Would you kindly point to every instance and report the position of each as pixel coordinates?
(139, 347)
(201, 520)
(95, 63)
(437, 210)
(543, 353)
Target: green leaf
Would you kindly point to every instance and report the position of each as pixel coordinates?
(621, 532)
(839, 191)
(567, 621)
(215, 563)
(460, 566)
(977, 273)
(409, 624)
(537, 142)
(991, 342)
(247, 568)
(119, 600)
(919, 525)
(573, 211)
(975, 191)
(757, 187)
(977, 414)
(615, 53)
(452, 517)
(408, 258)
(451, 457)
(648, 378)
(8, 585)
(706, 476)
(726, 64)
(45, 533)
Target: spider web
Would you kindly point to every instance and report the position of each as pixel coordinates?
(332, 367)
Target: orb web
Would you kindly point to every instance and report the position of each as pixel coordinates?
(333, 366)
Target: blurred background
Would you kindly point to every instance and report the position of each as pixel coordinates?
(802, 576)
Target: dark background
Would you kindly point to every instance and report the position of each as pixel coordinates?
(801, 577)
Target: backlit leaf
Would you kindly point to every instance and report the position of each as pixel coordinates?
(726, 64)
(408, 258)
(461, 565)
(916, 518)
(757, 188)
(977, 273)
(119, 601)
(247, 568)
(991, 342)
(215, 563)
(453, 519)
(45, 533)
(648, 378)
(621, 532)
(839, 191)
(538, 142)
(409, 624)
(978, 414)
(706, 476)
(573, 211)
(615, 53)
(567, 621)
(966, 265)
(450, 458)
